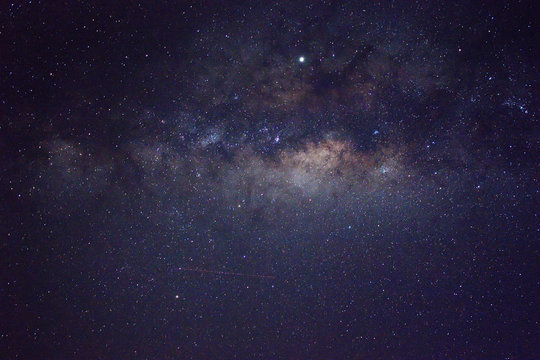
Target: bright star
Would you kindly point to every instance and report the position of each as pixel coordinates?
(301, 59)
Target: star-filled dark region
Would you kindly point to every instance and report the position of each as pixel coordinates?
(269, 180)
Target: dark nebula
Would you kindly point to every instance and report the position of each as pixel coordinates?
(256, 180)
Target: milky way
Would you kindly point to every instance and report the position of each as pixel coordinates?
(288, 180)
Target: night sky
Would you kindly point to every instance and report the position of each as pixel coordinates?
(255, 180)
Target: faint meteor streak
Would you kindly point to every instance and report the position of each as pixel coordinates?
(229, 273)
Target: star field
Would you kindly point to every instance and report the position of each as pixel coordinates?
(257, 180)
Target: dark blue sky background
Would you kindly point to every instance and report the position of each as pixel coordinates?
(177, 183)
